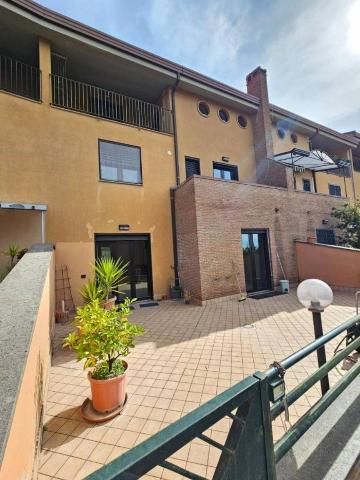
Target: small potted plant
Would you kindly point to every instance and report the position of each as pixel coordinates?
(91, 291)
(12, 252)
(102, 338)
(110, 274)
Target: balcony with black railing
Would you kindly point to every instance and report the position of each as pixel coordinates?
(92, 100)
(20, 78)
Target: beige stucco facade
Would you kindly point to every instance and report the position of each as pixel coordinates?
(50, 156)
(209, 139)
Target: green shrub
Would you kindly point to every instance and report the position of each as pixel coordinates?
(110, 274)
(103, 336)
(91, 291)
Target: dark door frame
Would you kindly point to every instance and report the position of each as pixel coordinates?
(129, 236)
(268, 263)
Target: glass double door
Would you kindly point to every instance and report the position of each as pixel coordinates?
(256, 260)
(134, 249)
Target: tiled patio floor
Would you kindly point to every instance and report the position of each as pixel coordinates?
(188, 355)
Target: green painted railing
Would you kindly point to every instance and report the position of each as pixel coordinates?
(248, 452)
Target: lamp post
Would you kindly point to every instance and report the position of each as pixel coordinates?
(316, 295)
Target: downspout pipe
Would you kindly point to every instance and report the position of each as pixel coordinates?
(176, 145)
(173, 190)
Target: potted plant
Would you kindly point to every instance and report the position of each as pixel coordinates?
(102, 337)
(175, 291)
(12, 251)
(110, 274)
(91, 291)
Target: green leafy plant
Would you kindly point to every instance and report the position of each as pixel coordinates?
(110, 274)
(348, 217)
(103, 336)
(91, 291)
(12, 251)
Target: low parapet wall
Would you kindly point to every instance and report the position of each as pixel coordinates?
(337, 266)
(26, 323)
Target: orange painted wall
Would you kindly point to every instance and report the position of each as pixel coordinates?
(337, 266)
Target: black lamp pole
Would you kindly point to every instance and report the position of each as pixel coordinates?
(321, 354)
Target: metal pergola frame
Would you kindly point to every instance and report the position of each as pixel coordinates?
(315, 160)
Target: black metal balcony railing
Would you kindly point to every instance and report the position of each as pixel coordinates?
(20, 78)
(85, 98)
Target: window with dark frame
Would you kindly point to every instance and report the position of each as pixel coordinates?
(225, 172)
(325, 236)
(224, 115)
(334, 190)
(119, 162)
(306, 185)
(192, 166)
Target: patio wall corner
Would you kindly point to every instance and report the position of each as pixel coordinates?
(26, 321)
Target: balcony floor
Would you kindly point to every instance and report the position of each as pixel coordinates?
(188, 355)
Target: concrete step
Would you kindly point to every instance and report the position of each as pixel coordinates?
(330, 449)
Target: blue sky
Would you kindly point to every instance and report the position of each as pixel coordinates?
(311, 48)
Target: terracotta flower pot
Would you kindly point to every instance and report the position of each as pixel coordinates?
(108, 394)
(110, 303)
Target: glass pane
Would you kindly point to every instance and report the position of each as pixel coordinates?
(260, 262)
(141, 268)
(249, 280)
(120, 163)
(217, 173)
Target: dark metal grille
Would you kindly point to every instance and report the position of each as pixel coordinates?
(192, 166)
(82, 97)
(325, 236)
(20, 78)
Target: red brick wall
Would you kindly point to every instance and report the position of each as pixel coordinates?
(210, 215)
(188, 248)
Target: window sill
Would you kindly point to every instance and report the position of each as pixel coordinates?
(121, 183)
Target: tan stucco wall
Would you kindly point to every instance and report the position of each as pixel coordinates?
(51, 156)
(286, 144)
(209, 139)
(336, 266)
(19, 461)
(18, 227)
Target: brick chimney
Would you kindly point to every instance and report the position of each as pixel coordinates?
(268, 172)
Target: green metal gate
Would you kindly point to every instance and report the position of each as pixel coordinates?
(248, 452)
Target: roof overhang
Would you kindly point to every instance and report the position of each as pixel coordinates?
(51, 25)
(312, 129)
(23, 206)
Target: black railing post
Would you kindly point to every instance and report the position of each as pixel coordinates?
(321, 354)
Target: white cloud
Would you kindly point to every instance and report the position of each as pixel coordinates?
(206, 36)
(312, 70)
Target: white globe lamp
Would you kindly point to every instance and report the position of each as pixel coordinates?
(314, 294)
